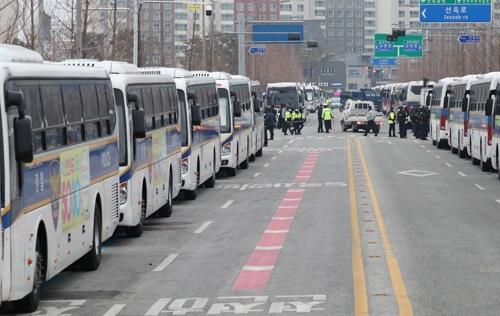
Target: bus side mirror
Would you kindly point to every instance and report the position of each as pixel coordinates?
(464, 104)
(488, 110)
(22, 128)
(237, 108)
(195, 115)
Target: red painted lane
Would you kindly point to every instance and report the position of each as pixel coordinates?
(257, 271)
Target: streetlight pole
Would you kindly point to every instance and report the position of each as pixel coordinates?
(203, 39)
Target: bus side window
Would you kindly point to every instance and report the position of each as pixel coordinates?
(90, 111)
(52, 105)
(148, 107)
(33, 108)
(157, 106)
(74, 113)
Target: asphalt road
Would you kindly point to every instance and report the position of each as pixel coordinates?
(322, 224)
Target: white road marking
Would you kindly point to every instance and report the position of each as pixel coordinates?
(286, 146)
(274, 157)
(272, 231)
(168, 260)
(479, 187)
(437, 157)
(448, 164)
(280, 152)
(291, 141)
(462, 174)
(428, 151)
(287, 206)
(390, 143)
(283, 218)
(268, 247)
(115, 309)
(292, 199)
(244, 187)
(202, 227)
(227, 204)
(422, 146)
(415, 141)
(157, 307)
(498, 201)
(258, 268)
(266, 165)
(256, 174)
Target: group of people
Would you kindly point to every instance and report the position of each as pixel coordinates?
(289, 120)
(325, 117)
(417, 120)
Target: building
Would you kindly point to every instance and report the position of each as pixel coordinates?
(303, 10)
(256, 10)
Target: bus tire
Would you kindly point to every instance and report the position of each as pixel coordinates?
(454, 150)
(244, 164)
(251, 158)
(485, 165)
(193, 194)
(441, 144)
(30, 302)
(166, 210)
(259, 152)
(231, 172)
(210, 183)
(434, 142)
(92, 259)
(135, 231)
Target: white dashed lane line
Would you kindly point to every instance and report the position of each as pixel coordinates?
(202, 227)
(479, 187)
(448, 164)
(462, 174)
(266, 165)
(274, 157)
(168, 260)
(437, 157)
(114, 310)
(256, 175)
(227, 204)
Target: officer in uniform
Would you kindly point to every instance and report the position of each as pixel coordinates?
(269, 123)
(327, 117)
(320, 119)
(426, 116)
(370, 117)
(402, 121)
(296, 121)
(287, 121)
(391, 119)
(302, 119)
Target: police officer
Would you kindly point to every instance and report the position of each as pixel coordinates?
(269, 123)
(287, 121)
(402, 121)
(391, 119)
(426, 116)
(327, 117)
(302, 119)
(370, 117)
(320, 119)
(296, 121)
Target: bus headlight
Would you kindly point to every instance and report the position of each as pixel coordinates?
(123, 192)
(185, 165)
(226, 149)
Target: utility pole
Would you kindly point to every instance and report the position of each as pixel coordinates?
(113, 41)
(136, 32)
(211, 30)
(79, 29)
(241, 45)
(162, 37)
(203, 40)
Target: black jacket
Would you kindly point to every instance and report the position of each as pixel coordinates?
(270, 119)
(320, 113)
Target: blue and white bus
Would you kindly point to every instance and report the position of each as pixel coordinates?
(236, 119)
(484, 125)
(149, 163)
(258, 131)
(458, 119)
(200, 128)
(439, 128)
(59, 171)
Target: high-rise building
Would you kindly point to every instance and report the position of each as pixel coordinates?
(256, 10)
(303, 10)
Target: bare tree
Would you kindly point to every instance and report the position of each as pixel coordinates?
(11, 12)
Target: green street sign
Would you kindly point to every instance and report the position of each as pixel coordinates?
(409, 46)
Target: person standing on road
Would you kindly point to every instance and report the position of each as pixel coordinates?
(302, 119)
(296, 121)
(391, 119)
(320, 119)
(426, 116)
(370, 117)
(287, 121)
(327, 117)
(402, 119)
(269, 123)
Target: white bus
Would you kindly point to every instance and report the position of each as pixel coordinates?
(483, 111)
(459, 115)
(284, 93)
(439, 112)
(149, 153)
(236, 116)
(200, 128)
(257, 142)
(59, 171)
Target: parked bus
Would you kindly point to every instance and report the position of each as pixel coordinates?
(311, 98)
(483, 112)
(149, 163)
(59, 167)
(258, 129)
(459, 115)
(200, 128)
(439, 112)
(236, 115)
(284, 93)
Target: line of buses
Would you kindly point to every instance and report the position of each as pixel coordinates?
(465, 114)
(87, 146)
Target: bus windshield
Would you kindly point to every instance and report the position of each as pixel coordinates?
(224, 111)
(279, 96)
(183, 118)
(416, 89)
(122, 126)
(309, 95)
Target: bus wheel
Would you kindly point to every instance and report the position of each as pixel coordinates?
(166, 210)
(29, 303)
(210, 183)
(137, 230)
(485, 166)
(259, 152)
(92, 259)
(231, 172)
(244, 164)
(193, 194)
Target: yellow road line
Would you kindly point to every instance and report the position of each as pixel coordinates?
(398, 285)
(358, 269)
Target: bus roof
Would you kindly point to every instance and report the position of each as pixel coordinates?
(164, 71)
(282, 85)
(217, 75)
(27, 70)
(112, 67)
(18, 54)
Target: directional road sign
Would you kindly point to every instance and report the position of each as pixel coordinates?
(469, 39)
(455, 11)
(409, 46)
(384, 62)
(257, 50)
(278, 32)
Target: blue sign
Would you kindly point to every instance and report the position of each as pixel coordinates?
(257, 50)
(278, 32)
(384, 62)
(469, 39)
(455, 11)
(413, 46)
(384, 47)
